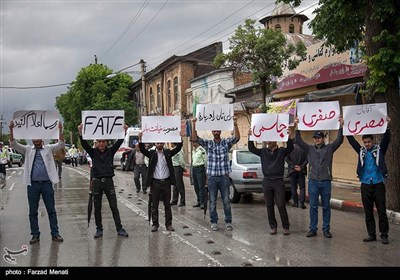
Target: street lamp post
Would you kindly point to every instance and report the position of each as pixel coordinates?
(142, 94)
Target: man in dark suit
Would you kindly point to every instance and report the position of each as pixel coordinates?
(160, 177)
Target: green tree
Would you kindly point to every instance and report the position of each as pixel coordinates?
(375, 23)
(263, 52)
(92, 90)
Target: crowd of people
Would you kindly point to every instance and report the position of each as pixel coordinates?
(159, 170)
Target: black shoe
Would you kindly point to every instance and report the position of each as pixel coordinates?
(145, 192)
(311, 233)
(196, 205)
(302, 206)
(173, 203)
(154, 228)
(202, 206)
(369, 238)
(123, 233)
(181, 204)
(57, 238)
(327, 234)
(35, 239)
(295, 205)
(99, 233)
(384, 240)
(137, 191)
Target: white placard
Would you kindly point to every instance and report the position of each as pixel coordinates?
(36, 124)
(214, 117)
(107, 124)
(269, 127)
(318, 115)
(365, 119)
(161, 129)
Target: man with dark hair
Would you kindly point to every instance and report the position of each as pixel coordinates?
(372, 171)
(102, 180)
(160, 177)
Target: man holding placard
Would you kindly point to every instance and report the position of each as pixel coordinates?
(372, 171)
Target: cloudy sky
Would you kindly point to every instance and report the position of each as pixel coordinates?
(45, 43)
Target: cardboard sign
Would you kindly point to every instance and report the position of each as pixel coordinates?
(103, 124)
(365, 119)
(36, 124)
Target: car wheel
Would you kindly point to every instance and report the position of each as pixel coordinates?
(234, 196)
(20, 163)
(288, 196)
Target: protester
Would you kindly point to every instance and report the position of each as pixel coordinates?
(160, 177)
(218, 169)
(59, 156)
(372, 172)
(39, 175)
(320, 156)
(102, 180)
(139, 169)
(199, 158)
(178, 162)
(273, 168)
(297, 162)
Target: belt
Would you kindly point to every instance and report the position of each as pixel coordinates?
(41, 182)
(198, 166)
(103, 179)
(161, 180)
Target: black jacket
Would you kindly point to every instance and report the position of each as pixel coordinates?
(153, 158)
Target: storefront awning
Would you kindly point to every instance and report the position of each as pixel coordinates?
(332, 92)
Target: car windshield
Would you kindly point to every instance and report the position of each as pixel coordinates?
(246, 157)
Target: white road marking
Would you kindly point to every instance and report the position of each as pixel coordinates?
(12, 186)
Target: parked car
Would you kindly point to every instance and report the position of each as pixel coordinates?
(15, 158)
(246, 176)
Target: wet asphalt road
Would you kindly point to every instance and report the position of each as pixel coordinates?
(192, 243)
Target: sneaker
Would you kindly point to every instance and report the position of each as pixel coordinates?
(154, 228)
(214, 227)
(286, 231)
(57, 238)
(35, 239)
(311, 233)
(123, 233)
(229, 226)
(273, 231)
(99, 233)
(327, 234)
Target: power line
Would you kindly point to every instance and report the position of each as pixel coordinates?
(33, 87)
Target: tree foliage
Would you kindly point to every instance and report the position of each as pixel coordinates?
(92, 90)
(263, 52)
(376, 24)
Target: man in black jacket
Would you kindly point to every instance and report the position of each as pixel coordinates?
(102, 180)
(372, 171)
(160, 176)
(273, 166)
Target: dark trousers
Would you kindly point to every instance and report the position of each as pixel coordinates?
(274, 192)
(199, 183)
(59, 167)
(140, 171)
(298, 178)
(106, 186)
(370, 194)
(159, 188)
(3, 169)
(179, 187)
(45, 189)
(74, 161)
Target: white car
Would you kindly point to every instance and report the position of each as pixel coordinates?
(246, 176)
(15, 158)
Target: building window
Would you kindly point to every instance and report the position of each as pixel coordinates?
(278, 27)
(291, 28)
(176, 95)
(152, 105)
(159, 96)
(169, 97)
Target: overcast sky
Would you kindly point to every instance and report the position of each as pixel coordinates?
(47, 42)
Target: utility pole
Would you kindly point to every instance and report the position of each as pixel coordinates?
(142, 95)
(1, 127)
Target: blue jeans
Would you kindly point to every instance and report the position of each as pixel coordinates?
(46, 190)
(222, 184)
(323, 189)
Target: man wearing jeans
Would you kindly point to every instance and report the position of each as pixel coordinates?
(40, 174)
(320, 156)
(218, 169)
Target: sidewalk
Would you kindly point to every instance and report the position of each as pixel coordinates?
(347, 197)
